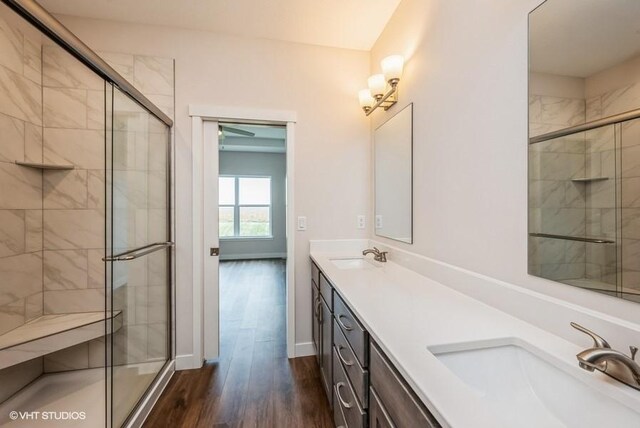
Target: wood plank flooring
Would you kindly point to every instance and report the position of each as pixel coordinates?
(252, 384)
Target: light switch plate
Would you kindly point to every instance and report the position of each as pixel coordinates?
(302, 223)
(361, 222)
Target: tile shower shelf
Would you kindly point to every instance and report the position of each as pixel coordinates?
(588, 179)
(58, 167)
(50, 333)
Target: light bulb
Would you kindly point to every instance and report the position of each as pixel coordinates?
(392, 68)
(366, 100)
(377, 85)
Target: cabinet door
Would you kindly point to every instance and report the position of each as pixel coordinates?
(326, 367)
(315, 320)
(378, 416)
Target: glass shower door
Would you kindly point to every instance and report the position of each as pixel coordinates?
(139, 235)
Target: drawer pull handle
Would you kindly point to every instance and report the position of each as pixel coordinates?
(345, 362)
(345, 404)
(343, 325)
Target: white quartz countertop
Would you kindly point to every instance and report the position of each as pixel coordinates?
(407, 313)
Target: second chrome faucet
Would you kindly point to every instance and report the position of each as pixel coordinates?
(379, 256)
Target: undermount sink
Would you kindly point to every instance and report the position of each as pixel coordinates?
(525, 390)
(353, 263)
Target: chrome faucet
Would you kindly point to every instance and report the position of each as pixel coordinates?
(379, 256)
(609, 361)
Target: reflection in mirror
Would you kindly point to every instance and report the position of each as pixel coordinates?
(393, 145)
(584, 144)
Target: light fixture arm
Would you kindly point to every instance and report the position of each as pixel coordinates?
(386, 98)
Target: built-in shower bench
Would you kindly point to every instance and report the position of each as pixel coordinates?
(50, 333)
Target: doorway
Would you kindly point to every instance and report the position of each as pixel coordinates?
(206, 122)
(252, 237)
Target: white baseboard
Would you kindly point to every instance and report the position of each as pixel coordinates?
(253, 256)
(188, 362)
(143, 410)
(305, 349)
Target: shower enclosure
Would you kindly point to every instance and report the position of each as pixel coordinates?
(584, 189)
(85, 236)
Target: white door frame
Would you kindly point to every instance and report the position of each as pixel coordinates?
(205, 335)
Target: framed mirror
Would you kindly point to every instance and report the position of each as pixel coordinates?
(584, 144)
(393, 153)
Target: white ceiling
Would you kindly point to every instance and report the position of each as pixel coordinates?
(352, 24)
(582, 37)
(267, 139)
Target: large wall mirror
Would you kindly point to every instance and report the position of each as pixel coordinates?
(584, 144)
(393, 152)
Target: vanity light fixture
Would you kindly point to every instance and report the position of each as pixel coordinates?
(383, 87)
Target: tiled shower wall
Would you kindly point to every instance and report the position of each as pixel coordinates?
(557, 205)
(20, 187)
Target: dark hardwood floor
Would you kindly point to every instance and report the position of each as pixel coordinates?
(252, 384)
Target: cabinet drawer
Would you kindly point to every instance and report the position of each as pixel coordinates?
(356, 335)
(400, 403)
(354, 416)
(338, 416)
(358, 376)
(378, 416)
(326, 291)
(315, 274)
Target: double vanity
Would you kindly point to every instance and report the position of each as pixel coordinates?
(397, 349)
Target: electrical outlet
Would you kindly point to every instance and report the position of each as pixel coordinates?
(361, 222)
(302, 223)
(378, 222)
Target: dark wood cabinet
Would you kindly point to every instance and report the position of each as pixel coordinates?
(315, 319)
(326, 366)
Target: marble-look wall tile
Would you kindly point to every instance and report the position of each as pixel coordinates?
(73, 358)
(79, 147)
(21, 277)
(61, 70)
(157, 347)
(122, 63)
(33, 60)
(556, 110)
(96, 110)
(12, 232)
(65, 108)
(11, 46)
(153, 75)
(20, 97)
(630, 161)
(65, 269)
(32, 143)
(12, 315)
(630, 133)
(621, 100)
(95, 268)
(33, 230)
(12, 139)
(631, 223)
(593, 108)
(65, 189)
(73, 301)
(33, 306)
(16, 377)
(97, 357)
(73, 229)
(20, 187)
(96, 191)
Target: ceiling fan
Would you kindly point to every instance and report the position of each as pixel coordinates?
(223, 128)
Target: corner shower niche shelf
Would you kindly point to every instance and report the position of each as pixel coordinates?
(47, 166)
(588, 179)
(50, 333)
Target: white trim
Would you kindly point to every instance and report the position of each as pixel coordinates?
(305, 349)
(240, 113)
(198, 258)
(188, 362)
(291, 238)
(154, 392)
(200, 114)
(251, 256)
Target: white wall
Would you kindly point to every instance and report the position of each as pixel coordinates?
(332, 134)
(272, 165)
(466, 74)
